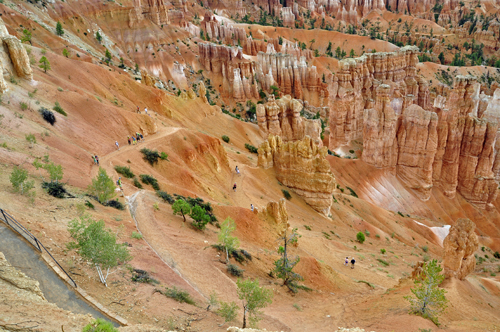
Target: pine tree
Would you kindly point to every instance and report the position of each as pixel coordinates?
(26, 36)
(59, 29)
(429, 300)
(44, 64)
(65, 53)
(181, 207)
(98, 37)
(284, 266)
(108, 56)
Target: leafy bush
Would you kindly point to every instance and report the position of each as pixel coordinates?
(103, 187)
(115, 204)
(89, 205)
(136, 235)
(18, 179)
(425, 248)
(228, 311)
(23, 105)
(137, 183)
(360, 237)
(125, 171)
(496, 255)
(164, 156)
(367, 232)
(382, 251)
(99, 325)
(234, 270)
(165, 196)
(251, 148)
(225, 138)
(47, 115)
(402, 215)
(150, 156)
(286, 194)
(178, 294)
(148, 179)
(55, 189)
(57, 107)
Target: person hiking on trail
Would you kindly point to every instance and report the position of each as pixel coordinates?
(119, 183)
(97, 160)
(93, 159)
(251, 207)
(138, 109)
(133, 140)
(346, 263)
(237, 170)
(146, 110)
(129, 140)
(352, 263)
(234, 186)
(142, 137)
(138, 137)
(117, 145)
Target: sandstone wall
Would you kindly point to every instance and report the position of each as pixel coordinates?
(459, 247)
(282, 118)
(19, 57)
(303, 167)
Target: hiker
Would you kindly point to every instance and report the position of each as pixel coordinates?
(119, 183)
(138, 137)
(237, 170)
(133, 140)
(251, 207)
(146, 110)
(93, 159)
(234, 187)
(352, 263)
(129, 140)
(117, 145)
(138, 110)
(97, 160)
(346, 262)
(142, 137)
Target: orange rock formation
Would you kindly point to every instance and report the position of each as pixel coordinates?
(459, 247)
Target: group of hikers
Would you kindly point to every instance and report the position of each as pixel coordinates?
(145, 110)
(135, 138)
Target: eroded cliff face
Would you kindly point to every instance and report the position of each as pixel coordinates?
(282, 118)
(301, 166)
(459, 247)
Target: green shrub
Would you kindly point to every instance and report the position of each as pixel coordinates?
(47, 115)
(57, 107)
(178, 294)
(143, 277)
(115, 204)
(165, 196)
(200, 218)
(228, 311)
(425, 248)
(381, 261)
(382, 251)
(148, 179)
(55, 189)
(24, 106)
(102, 187)
(150, 156)
(402, 215)
(99, 325)
(125, 171)
(163, 156)
(496, 255)
(89, 205)
(137, 183)
(286, 194)
(360, 237)
(367, 232)
(234, 270)
(251, 148)
(136, 235)
(353, 193)
(225, 138)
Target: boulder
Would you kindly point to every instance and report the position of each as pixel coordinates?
(19, 57)
(459, 247)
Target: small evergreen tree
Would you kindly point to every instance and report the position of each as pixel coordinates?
(97, 244)
(429, 300)
(254, 298)
(360, 237)
(181, 207)
(200, 218)
(26, 36)
(44, 64)
(284, 266)
(59, 29)
(226, 240)
(102, 187)
(108, 56)
(98, 37)
(65, 53)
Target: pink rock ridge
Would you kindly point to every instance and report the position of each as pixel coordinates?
(301, 166)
